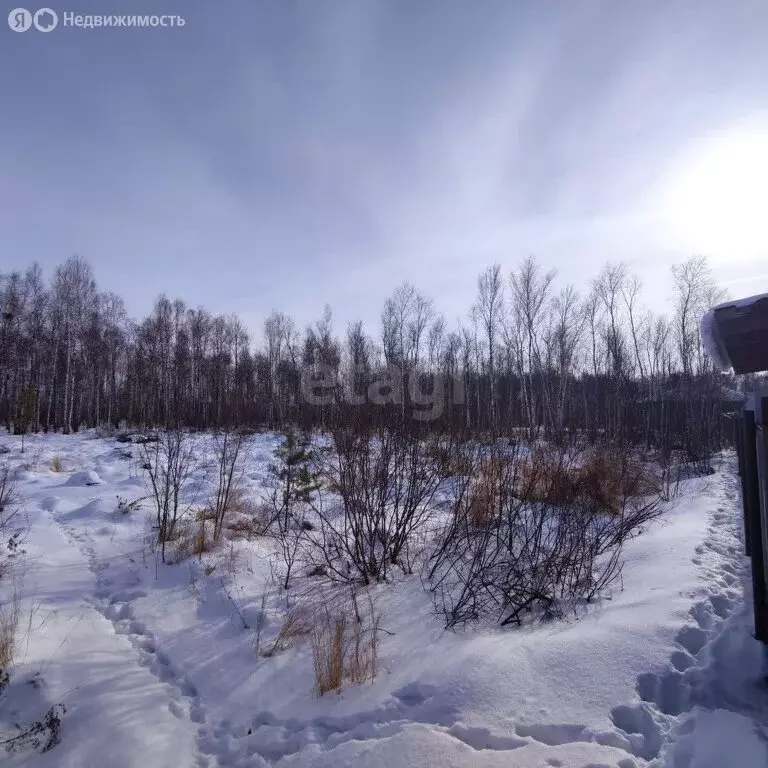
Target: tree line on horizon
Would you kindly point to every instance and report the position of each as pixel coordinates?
(531, 358)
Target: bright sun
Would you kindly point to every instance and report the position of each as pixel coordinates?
(716, 200)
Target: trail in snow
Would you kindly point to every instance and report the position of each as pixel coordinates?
(713, 679)
(120, 709)
(115, 590)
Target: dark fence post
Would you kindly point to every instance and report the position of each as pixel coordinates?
(738, 439)
(752, 477)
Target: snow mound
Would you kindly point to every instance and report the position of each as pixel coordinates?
(86, 477)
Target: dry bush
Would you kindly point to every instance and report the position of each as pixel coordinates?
(56, 465)
(205, 515)
(363, 650)
(298, 622)
(601, 479)
(238, 502)
(190, 539)
(607, 479)
(484, 492)
(328, 651)
(547, 475)
(345, 645)
(552, 532)
(387, 485)
(250, 518)
(33, 459)
(453, 463)
(8, 494)
(10, 613)
(243, 528)
(125, 507)
(230, 559)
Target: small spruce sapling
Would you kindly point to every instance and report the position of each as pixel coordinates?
(295, 484)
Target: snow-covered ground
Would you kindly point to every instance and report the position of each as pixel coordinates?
(156, 667)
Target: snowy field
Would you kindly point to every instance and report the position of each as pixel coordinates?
(156, 664)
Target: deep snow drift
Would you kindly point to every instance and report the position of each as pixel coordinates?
(156, 663)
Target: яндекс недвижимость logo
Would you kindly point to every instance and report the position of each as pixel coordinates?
(44, 19)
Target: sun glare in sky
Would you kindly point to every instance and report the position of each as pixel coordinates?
(715, 201)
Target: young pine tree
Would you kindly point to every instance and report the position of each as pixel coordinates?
(295, 483)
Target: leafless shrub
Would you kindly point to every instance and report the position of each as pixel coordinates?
(533, 538)
(233, 593)
(56, 464)
(8, 495)
(452, 462)
(669, 475)
(170, 462)
(11, 531)
(362, 655)
(228, 447)
(386, 478)
(33, 459)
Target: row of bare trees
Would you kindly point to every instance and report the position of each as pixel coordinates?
(530, 359)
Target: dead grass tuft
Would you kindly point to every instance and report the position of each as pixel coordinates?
(328, 651)
(344, 646)
(190, 539)
(298, 623)
(205, 515)
(56, 464)
(601, 480)
(249, 520)
(10, 613)
(452, 464)
(484, 492)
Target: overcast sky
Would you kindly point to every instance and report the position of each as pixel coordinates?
(285, 154)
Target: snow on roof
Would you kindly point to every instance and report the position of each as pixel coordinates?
(713, 345)
(741, 303)
(735, 334)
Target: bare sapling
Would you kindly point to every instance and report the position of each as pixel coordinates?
(170, 463)
(383, 479)
(229, 448)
